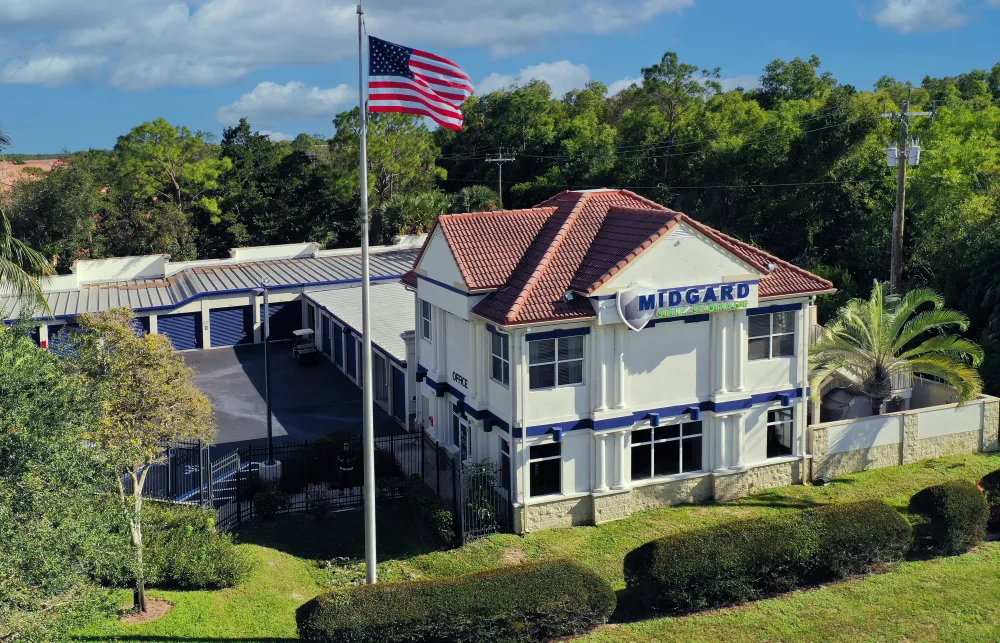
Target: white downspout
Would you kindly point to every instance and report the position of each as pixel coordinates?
(518, 414)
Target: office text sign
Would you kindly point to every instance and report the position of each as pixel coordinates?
(639, 305)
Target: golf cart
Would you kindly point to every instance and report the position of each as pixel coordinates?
(304, 351)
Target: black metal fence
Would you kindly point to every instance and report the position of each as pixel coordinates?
(182, 476)
(321, 475)
(473, 492)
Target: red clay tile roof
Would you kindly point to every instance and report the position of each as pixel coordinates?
(577, 241)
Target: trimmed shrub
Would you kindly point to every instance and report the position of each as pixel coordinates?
(268, 504)
(956, 514)
(421, 502)
(728, 563)
(533, 602)
(856, 536)
(183, 550)
(747, 560)
(990, 484)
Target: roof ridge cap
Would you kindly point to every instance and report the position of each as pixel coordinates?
(478, 213)
(635, 252)
(546, 259)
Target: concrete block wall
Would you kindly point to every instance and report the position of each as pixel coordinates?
(923, 434)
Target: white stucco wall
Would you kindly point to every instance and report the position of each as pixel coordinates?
(946, 421)
(669, 363)
(866, 433)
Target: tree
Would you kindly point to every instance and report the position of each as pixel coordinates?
(20, 266)
(48, 481)
(675, 88)
(249, 186)
(475, 198)
(871, 341)
(161, 161)
(795, 80)
(146, 399)
(133, 228)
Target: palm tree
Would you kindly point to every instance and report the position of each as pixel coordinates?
(871, 341)
(20, 266)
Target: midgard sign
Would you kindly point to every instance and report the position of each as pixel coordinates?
(639, 305)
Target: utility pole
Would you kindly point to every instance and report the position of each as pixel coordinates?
(500, 159)
(910, 156)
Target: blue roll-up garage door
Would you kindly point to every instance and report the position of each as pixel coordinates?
(61, 338)
(183, 330)
(286, 318)
(398, 394)
(338, 345)
(231, 326)
(352, 366)
(327, 339)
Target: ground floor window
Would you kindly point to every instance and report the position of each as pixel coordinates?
(779, 432)
(545, 469)
(460, 434)
(504, 464)
(666, 450)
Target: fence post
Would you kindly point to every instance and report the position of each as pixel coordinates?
(239, 488)
(305, 470)
(458, 483)
(437, 467)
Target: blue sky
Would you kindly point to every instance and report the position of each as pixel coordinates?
(75, 75)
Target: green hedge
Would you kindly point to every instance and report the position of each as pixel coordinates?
(746, 560)
(421, 502)
(956, 515)
(990, 485)
(183, 550)
(533, 602)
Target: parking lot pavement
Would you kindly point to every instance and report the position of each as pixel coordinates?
(307, 401)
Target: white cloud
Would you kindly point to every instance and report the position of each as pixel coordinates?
(562, 76)
(746, 82)
(152, 43)
(910, 16)
(49, 70)
(624, 83)
(276, 136)
(271, 103)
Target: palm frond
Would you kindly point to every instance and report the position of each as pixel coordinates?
(928, 321)
(950, 345)
(21, 266)
(959, 375)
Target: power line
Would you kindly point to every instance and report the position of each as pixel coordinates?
(500, 159)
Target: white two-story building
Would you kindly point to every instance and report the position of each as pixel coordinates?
(611, 355)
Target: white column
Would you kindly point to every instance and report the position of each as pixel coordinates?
(43, 334)
(620, 331)
(601, 369)
(619, 460)
(739, 428)
(601, 479)
(153, 327)
(206, 317)
(477, 364)
(722, 352)
(739, 350)
(721, 463)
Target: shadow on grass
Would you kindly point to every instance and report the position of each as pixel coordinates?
(778, 502)
(200, 639)
(340, 534)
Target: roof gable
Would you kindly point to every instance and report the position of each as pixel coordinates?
(440, 263)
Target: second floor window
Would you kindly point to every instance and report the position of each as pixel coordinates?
(425, 320)
(771, 335)
(500, 370)
(555, 362)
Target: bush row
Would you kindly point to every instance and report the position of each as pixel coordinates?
(183, 550)
(952, 517)
(533, 602)
(750, 559)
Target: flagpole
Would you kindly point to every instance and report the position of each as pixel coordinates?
(366, 325)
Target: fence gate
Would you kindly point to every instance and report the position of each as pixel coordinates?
(486, 504)
(224, 490)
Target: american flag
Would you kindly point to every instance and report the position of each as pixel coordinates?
(401, 79)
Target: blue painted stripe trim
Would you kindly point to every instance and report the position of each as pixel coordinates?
(667, 411)
(235, 291)
(552, 334)
(447, 287)
(444, 388)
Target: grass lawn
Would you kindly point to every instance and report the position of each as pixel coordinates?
(297, 557)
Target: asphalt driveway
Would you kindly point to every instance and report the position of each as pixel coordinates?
(307, 401)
